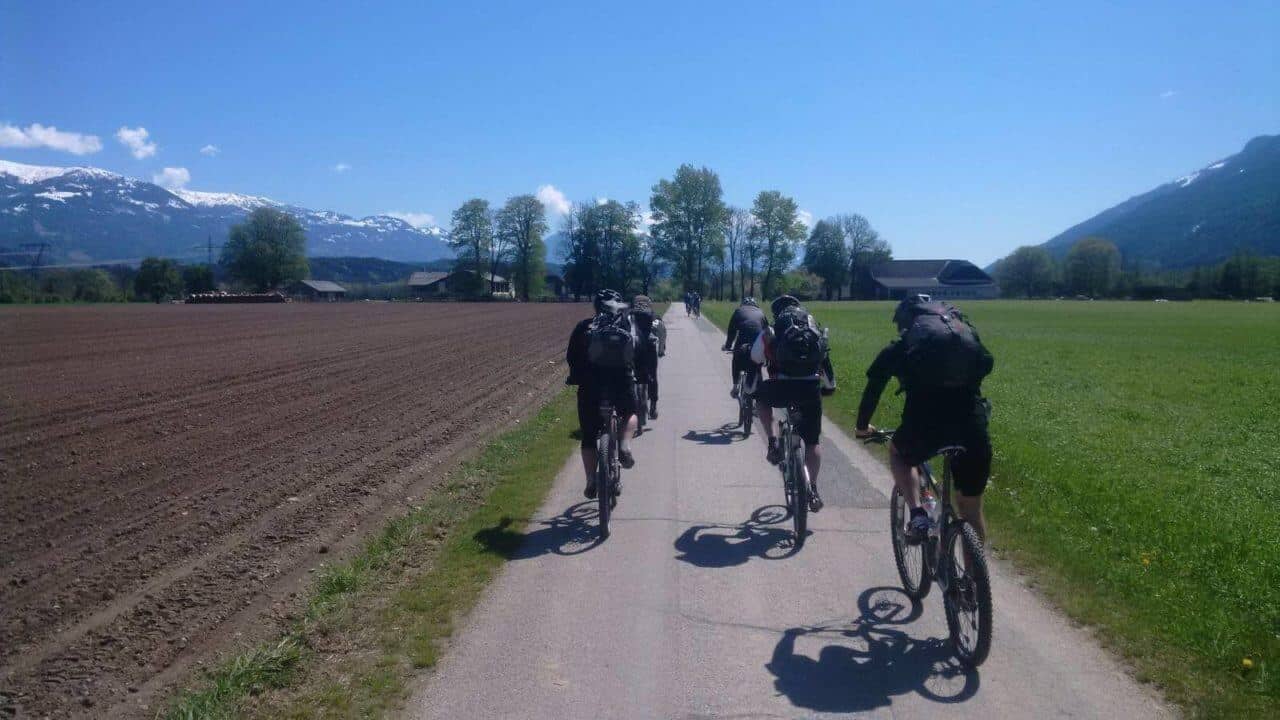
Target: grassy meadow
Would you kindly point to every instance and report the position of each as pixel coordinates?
(1136, 475)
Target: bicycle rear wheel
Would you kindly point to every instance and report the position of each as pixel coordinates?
(912, 569)
(748, 411)
(604, 484)
(799, 498)
(967, 599)
(642, 406)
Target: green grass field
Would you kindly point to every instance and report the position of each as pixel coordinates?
(1136, 473)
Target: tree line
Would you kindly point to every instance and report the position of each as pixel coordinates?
(1093, 268)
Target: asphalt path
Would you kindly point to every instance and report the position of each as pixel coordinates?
(697, 606)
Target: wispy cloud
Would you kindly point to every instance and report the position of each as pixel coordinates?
(36, 135)
(416, 219)
(341, 167)
(172, 178)
(1168, 94)
(805, 217)
(554, 200)
(138, 142)
(210, 150)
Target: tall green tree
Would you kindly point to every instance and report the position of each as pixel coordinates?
(737, 228)
(157, 279)
(866, 250)
(689, 221)
(1093, 267)
(826, 256)
(1027, 272)
(471, 235)
(521, 223)
(779, 230)
(267, 250)
(198, 278)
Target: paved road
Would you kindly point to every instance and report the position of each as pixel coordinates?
(695, 608)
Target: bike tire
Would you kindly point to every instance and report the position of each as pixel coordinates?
(800, 497)
(642, 406)
(748, 415)
(913, 569)
(604, 492)
(967, 597)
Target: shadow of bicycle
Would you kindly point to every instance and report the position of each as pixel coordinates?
(866, 661)
(721, 546)
(722, 435)
(572, 532)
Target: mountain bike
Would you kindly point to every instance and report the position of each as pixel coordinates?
(951, 556)
(795, 476)
(642, 404)
(746, 403)
(608, 466)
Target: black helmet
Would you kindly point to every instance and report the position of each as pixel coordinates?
(904, 313)
(608, 297)
(748, 300)
(782, 302)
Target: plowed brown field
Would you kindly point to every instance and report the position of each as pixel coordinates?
(169, 474)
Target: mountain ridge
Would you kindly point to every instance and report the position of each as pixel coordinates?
(87, 214)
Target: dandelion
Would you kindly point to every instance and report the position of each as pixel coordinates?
(1247, 663)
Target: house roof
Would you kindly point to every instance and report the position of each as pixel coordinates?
(929, 273)
(323, 286)
(422, 279)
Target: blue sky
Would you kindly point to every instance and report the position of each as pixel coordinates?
(958, 131)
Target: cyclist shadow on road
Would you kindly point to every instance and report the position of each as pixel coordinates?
(572, 532)
(722, 435)
(867, 661)
(721, 546)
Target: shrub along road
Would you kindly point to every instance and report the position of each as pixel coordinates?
(695, 607)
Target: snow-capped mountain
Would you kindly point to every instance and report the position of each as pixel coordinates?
(92, 215)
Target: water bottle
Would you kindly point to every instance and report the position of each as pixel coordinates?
(930, 505)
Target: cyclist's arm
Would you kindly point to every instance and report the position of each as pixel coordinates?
(882, 368)
(733, 330)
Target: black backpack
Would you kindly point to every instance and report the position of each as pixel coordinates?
(943, 349)
(798, 347)
(610, 341)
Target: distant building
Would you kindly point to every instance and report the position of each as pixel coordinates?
(942, 279)
(321, 290)
(436, 284)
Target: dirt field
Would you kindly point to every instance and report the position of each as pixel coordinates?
(169, 474)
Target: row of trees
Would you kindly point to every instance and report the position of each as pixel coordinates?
(1093, 267)
(155, 280)
(511, 237)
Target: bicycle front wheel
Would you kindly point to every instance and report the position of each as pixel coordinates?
(799, 499)
(912, 569)
(967, 599)
(748, 415)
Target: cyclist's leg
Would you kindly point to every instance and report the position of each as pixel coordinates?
(970, 471)
(589, 424)
(764, 410)
(624, 401)
(810, 430)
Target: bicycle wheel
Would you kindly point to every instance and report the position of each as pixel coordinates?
(800, 498)
(967, 599)
(604, 471)
(642, 406)
(747, 413)
(909, 558)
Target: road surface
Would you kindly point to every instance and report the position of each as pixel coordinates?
(696, 607)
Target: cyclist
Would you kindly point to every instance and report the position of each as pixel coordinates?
(793, 382)
(935, 414)
(688, 302)
(697, 303)
(651, 333)
(745, 326)
(596, 383)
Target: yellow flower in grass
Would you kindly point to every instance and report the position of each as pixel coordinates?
(1247, 663)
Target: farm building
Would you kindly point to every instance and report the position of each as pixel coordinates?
(944, 279)
(434, 284)
(321, 290)
(555, 285)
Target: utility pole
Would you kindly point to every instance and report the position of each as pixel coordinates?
(39, 247)
(208, 246)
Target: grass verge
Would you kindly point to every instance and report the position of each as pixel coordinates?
(1137, 450)
(375, 619)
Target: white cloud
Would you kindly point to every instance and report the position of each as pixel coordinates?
(646, 220)
(136, 139)
(602, 200)
(341, 167)
(210, 150)
(1168, 94)
(172, 178)
(416, 219)
(36, 135)
(805, 217)
(554, 200)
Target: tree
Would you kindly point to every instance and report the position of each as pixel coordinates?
(1027, 272)
(866, 250)
(826, 257)
(688, 221)
(737, 230)
(157, 279)
(778, 228)
(521, 223)
(197, 279)
(471, 234)
(267, 250)
(1092, 267)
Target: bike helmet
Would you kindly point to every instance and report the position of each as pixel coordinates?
(607, 298)
(782, 302)
(748, 300)
(904, 313)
